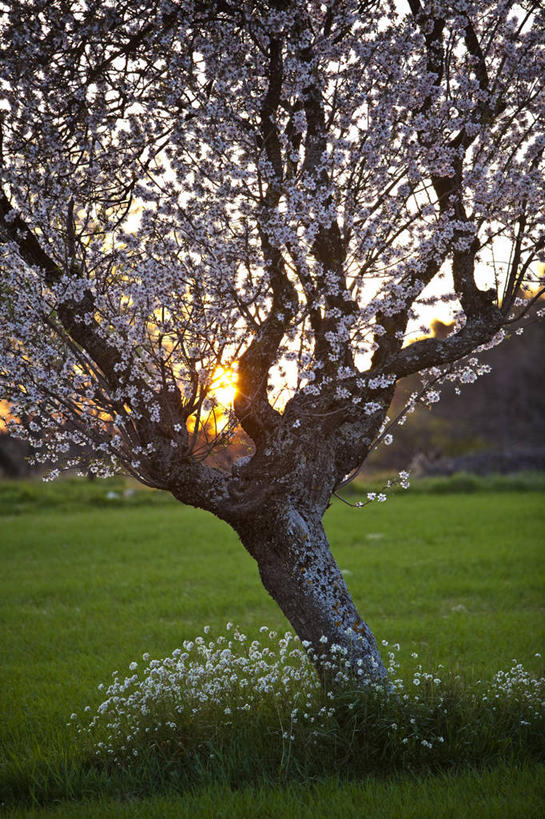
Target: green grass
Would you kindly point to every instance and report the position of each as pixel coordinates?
(90, 583)
(458, 483)
(70, 494)
(503, 792)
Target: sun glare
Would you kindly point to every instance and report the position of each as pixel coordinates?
(224, 386)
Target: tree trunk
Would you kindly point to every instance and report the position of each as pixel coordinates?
(300, 573)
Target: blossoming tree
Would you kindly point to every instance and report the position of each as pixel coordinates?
(273, 188)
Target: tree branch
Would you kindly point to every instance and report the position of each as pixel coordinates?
(251, 404)
(434, 352)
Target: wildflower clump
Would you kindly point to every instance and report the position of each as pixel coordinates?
(217, 700)
(204, 688)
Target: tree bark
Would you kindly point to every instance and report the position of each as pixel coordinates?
(300, 573)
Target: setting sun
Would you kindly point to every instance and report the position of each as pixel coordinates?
(224, 386)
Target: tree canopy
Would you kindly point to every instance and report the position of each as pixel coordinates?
(273, 188)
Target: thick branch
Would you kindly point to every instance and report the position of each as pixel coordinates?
(328, 247)
(251, 403)
(16, 230)
(434, 352)
(70, 314)
(76, 319)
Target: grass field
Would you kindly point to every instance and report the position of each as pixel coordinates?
(92, 578)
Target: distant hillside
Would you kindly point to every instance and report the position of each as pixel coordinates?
(502, 411)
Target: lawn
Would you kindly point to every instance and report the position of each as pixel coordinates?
(91, 579)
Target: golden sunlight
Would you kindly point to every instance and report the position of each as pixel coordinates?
(224, 386)
(5, 415)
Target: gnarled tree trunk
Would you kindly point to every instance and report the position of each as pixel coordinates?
(300, 573)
